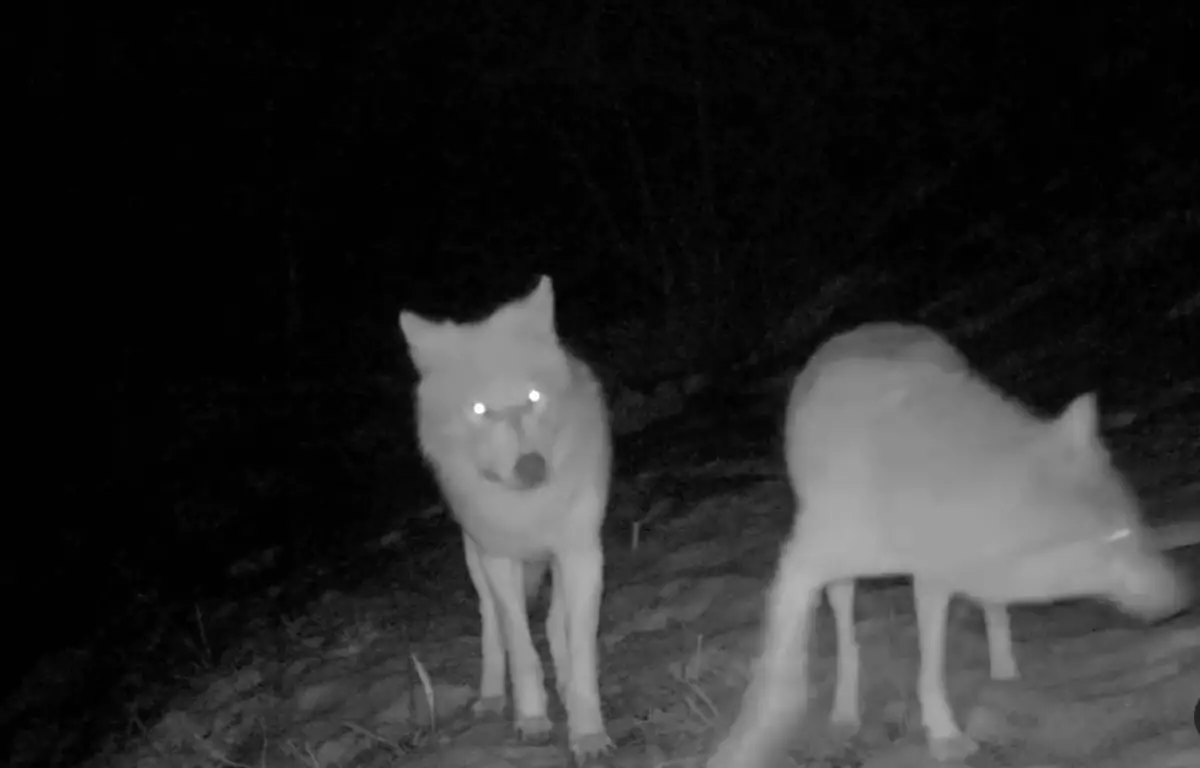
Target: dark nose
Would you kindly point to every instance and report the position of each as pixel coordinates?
(530, 469)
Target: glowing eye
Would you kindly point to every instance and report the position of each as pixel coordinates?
(479, 409)
(535, 396)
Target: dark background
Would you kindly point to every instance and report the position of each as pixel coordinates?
(233, 204)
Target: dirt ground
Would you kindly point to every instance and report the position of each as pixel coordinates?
(352, 682)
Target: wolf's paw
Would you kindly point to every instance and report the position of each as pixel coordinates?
(489, 706)
(534, 730)
(949, 749)
(844, 725)
(587, 749)
(733, 754)
(1004, 669)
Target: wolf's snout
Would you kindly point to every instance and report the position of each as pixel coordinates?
(530, 469)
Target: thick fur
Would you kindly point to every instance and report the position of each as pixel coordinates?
(516, 432)
(904, 461)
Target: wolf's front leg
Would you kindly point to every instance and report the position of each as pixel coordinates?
(999, 637)
(845, 716)
(556, 635)
(507, 579)
(579, 588)
(492, 693)
(946, 742)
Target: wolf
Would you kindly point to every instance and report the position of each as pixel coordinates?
(903, 460)
(516, 432)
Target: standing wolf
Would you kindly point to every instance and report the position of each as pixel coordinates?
(904, 461)
(516, 432)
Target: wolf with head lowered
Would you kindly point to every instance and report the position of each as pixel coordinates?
(516, 432)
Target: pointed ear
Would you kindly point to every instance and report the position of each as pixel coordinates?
(537, 308)
(543, 293)
(429, 343)
(1079, 424)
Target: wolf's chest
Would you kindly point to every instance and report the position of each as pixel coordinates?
(520, 526)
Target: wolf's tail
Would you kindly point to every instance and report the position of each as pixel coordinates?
(535, 574)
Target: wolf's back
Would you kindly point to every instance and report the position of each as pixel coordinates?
(894, 425)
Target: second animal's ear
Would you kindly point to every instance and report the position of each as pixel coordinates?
(429, 343)
(1079, 423)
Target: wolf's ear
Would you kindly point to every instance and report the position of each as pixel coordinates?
(1079, 424)
(537, 308)
(429, 342)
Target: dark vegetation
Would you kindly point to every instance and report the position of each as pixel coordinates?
(240, 201)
